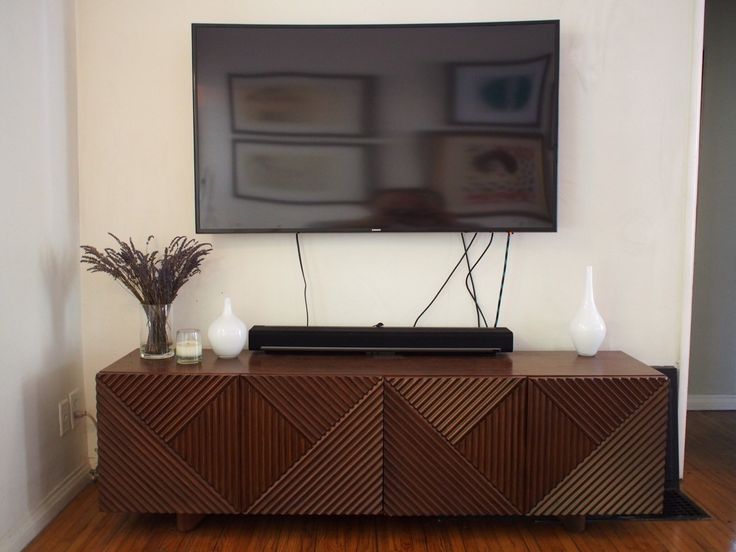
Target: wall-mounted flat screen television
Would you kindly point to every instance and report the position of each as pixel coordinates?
(449, 127)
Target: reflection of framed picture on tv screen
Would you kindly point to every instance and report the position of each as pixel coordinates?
(490, 174)
(299, 172)
(502, 94)
(300, 104)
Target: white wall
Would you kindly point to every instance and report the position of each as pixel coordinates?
(40, 331)
(625, 138)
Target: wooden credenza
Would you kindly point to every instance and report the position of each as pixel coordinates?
(537, 433)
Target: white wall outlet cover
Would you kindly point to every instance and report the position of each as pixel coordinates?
(65, 417)
(75, 405)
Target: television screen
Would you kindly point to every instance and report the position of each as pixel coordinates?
(376, 128)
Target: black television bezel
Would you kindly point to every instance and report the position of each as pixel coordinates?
(553, 134)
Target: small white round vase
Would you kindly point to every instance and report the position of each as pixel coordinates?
(588, 329)
(227, 334)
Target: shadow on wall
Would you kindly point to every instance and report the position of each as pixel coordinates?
(58, 368)
(49, 457)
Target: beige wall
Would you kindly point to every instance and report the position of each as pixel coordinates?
(40, 331)
(625, 133)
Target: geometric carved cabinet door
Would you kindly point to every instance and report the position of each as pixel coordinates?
(454, 445)
(596, 445)
(312, 444)
(168, 443)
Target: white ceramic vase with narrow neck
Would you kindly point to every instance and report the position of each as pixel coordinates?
(228, 334)
(588, 328)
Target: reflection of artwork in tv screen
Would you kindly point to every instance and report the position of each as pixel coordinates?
(497, 93)
(291, 172)
(491, 174)
(299, 104)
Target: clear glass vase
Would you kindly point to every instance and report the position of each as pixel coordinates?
(157, 337)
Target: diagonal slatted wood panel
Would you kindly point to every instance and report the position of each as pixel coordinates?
(166, 402)
(294, 444)
(139, 472)
(341, 474)
(453, 405)
(625, 475)
(424, 474)
(312, 404)
(207, 443)
(271, 445)
(555, 444)
(496, 445)
(599, 405)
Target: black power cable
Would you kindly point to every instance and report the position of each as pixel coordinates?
(503, 278)
(478, 308)
(472, 281)
(301, 266)
(445, 283)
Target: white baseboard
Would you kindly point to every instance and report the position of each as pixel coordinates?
(711, 402)
(26, 530)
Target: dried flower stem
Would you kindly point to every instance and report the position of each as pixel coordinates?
(152, 278)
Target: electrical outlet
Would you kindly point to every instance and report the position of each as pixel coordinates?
(65, 417)
(75, 405)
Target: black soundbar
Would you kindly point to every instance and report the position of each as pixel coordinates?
(380, 339)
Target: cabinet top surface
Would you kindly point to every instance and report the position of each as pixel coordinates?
(521, 364)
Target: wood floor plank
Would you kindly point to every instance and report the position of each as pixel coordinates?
(527, 537)
(345, 534)
(442, 535)
(677, 536)
(710, 479)
(62, 531)
(552, 537)
(250, 534)
(97, 534)
(400, 535)
(633, 537)
(487, 535)
(137, 532)
(162, 536)
(299, 535)
(715, 490)
(205, 537)
(594, 539)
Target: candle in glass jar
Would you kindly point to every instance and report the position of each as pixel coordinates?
(188, 347)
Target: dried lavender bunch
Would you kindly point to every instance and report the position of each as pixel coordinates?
(152, 278)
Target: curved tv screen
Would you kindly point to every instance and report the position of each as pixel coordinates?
(376, 128)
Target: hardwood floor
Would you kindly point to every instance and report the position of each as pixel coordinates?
(710, 479)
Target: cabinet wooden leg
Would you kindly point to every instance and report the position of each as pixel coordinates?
(187, 522)
(574, 524)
